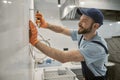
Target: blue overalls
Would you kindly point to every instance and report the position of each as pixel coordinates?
(87, 73)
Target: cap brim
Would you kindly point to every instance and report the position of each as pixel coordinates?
(82, 11)
(78, 11)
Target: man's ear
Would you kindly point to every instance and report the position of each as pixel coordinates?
(96, 25)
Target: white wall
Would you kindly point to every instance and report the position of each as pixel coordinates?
(110, 29)
(15, 62)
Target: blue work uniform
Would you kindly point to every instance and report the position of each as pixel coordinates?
(95, 55)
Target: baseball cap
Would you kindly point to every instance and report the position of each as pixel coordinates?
(94, 13)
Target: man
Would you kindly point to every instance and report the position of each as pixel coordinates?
(92, 49)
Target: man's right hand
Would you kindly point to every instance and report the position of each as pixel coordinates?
(43, 23)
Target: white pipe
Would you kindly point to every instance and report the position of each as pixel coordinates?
(31, 10)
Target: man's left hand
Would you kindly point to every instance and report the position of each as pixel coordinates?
(32, 33)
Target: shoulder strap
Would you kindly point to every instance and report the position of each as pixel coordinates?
(106, 50)
(97, 42)
(80, 40)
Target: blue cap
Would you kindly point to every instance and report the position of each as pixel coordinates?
(95, 14)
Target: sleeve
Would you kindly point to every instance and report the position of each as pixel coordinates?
(92, 53)
(74, 35)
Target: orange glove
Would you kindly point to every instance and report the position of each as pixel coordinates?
(32, 33)
(39, 18)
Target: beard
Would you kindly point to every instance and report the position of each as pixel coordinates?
(82, 30)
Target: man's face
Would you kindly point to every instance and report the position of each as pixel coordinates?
(85, 25)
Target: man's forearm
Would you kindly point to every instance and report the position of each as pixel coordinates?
(51, 52)
(55, 28)
(59, 29)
